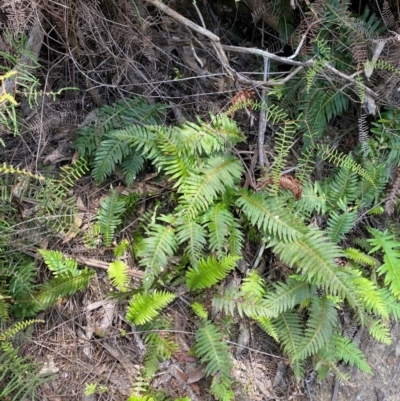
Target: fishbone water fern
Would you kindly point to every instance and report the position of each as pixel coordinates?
(201, 234)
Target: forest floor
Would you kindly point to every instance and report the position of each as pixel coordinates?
(383, 385)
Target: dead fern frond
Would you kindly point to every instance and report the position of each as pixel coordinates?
(387, 15)
(363, 133)
(393, 193)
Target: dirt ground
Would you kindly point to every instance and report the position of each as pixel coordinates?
(383, 385)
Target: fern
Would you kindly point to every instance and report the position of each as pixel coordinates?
(380, 331)
(313, 255)
(200, 189)
(209, 271)
(387, 243)
(118, 274)
(287, 295)
(155, 250)
(143, 307)
(200, 310)
(194, 234)
(214, 352)
(341, 224)
(109, 216)
(269, 217)
(320, 325)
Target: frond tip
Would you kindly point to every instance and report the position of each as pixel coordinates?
(144, 307)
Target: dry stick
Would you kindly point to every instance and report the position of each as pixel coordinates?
(263, 117)
(220, 49)
(190, 24)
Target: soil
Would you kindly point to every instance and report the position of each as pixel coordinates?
(383, 385)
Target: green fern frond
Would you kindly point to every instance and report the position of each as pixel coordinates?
(313, 256)
(176, 163)
(58, 263)
(118, 274)
(266, 324)
(159, 347)
(287, 295)
(359, 257)
(194, 234)
(132, 166)
(289, 327)
(16, 328)
(391, 302)
(218, 219)
(111, 152)
(210, 271)
(23, 278)
(342, 185)
(200, 310)
(371, 297)
(214, 352)
(208, 138)
(320, 324)
(348, 351)
(380, 331)
(68, 177)
(388, 244)
(313, 199)
(144, 307)
(46, 295)
(109, 215)
(201, 188)
(253, 286)
(342, 160)
(341, 224)
(155, 250)
(269, 217)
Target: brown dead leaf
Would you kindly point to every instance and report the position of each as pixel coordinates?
(182, 375)
(196, 374)
(195, 388)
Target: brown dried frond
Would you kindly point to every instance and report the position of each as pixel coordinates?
(359, 51)
(292, 184)
(242, 100)
(286, 182)
(387, 15)
(261, 12)
(393, 193)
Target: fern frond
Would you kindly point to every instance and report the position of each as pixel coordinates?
(212, 350)
(341, 224)
(58, 263)
(200, 189)
(118, 274)
(342, 160)
(348, 351)
(160, 346)
(342, 185)
(388, 244)
(176, 163)
(143, 307)
(380, 331)
(194, 234)
(266, 324)
(371, 296)
(289, 327)
(218, 219)
(269, 217)
(111, 152)
(287, 295)
(209, 271)
(313, 255)
(109, 216)
(391, 302)
(46, 295)
(320, 324)
(200, 310)
(359, 257)
(155, 250)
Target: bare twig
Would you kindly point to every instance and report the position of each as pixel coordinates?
(263, 116)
